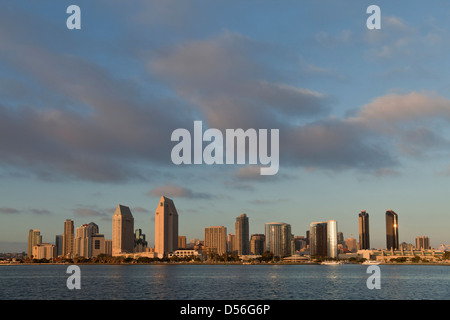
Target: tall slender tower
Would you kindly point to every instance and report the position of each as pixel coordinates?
(364, 236)
(122, 231)
(34, 238)
(166, 227)
(391, 230)
(242, 237)
(68, 237)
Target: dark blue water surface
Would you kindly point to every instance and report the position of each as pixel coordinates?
(225, 282)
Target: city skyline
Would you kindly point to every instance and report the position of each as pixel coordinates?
(86, 116)
(323, 238)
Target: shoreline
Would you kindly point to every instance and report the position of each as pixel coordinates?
(223, 263)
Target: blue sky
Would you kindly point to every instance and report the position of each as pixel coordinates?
(86, 115)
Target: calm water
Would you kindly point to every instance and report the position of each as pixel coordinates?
(222, 282)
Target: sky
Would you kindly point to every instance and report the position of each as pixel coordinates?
(86, 115)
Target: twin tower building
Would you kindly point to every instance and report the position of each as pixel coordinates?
(166, 229)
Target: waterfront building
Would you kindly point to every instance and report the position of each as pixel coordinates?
(241, 228)
(140, 244)
(392, 240)
(323, 240)
(364, 235)
(98, 245)
(108, 247)
(181, 242)
(278, 238)
(186, 253)
(68, 237)
(351, 244)
(34, 238)
(44, 251)
(216, 239)
(422, 243)
(231, 243)
(59, 244)
(83, 240)
(257, 244)
(166, 227)
(122, 231)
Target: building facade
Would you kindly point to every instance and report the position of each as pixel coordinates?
(216, 239)
(392, 240)
(241, 228)
(323, 240)
(278, 238)
(68, 237)
(34, 238)
(423, 242)
(166, 227)
(364, 235)
(44, 251)
(122, 231)
(257, 244)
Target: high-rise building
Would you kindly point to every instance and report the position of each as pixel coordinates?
(68, 237)
(364, 235)
(423, 243)
(278, 238)
(351, 244)
(140, 244)
(216, 239)
(166, 227)
(231, 243)
(182, 242)
(122, 231)
(241, 228)
(257, 244)
(108, 247)
(34, 238)
(392, 230)
(59, 244)
(299, 243)
(98, 245)
(83, 243)
(323, 240)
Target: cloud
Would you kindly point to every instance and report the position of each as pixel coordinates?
(8, 211)
(86, 212)
(178, 192)
(141, 210)
(227, 78)
(40, 211)
(80, 121)
(269, 201)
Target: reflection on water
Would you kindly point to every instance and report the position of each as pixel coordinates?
(233, 282)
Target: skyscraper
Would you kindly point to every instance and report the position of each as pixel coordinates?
(68, 237)
(278, 238)
(422, 243)
(391, 230)
(332, 239)
(323, 240)
(83, 243)
(364, 236)
(257, 244)
(231, 243)
(122, 231)
(166, 227)
(34, 238)
(216, 239)
(242, 234)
